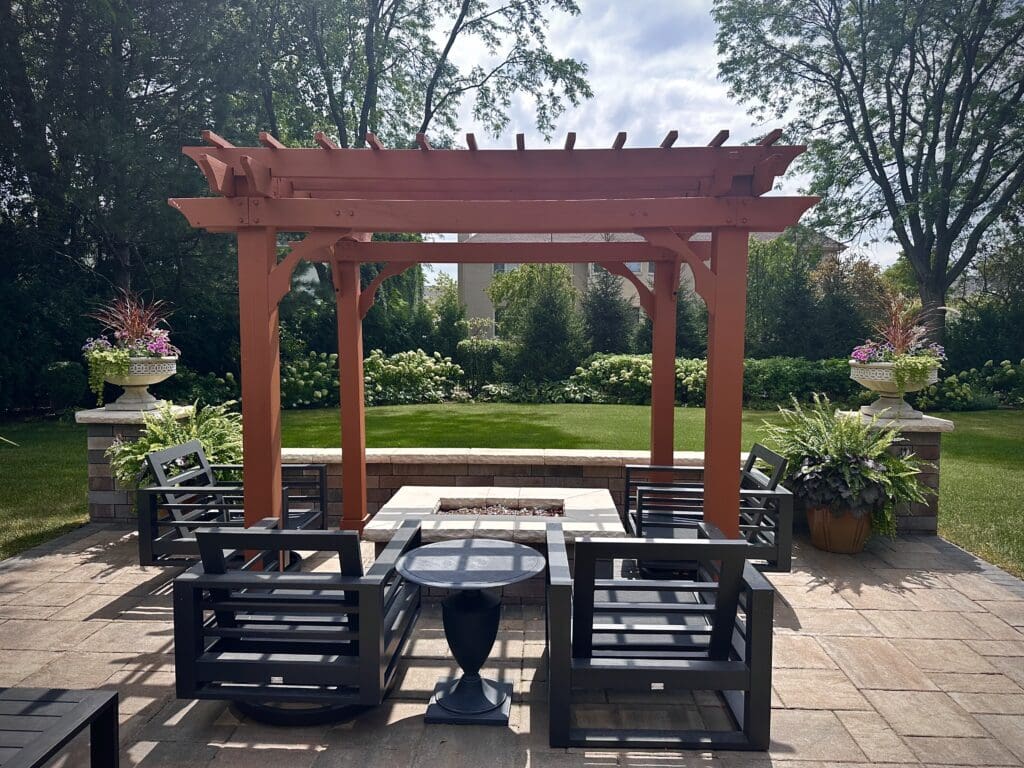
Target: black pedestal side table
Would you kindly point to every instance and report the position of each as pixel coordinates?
(470, 568)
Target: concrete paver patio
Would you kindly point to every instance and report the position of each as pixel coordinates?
(910, 654)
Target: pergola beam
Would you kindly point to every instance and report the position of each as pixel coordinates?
(764, 214)
(499, 253)
(494, 166)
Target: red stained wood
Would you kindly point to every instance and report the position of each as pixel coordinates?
(644, 294)
(214, 140)
(763, 214)
(350, 370)
(369, 294)
(468, 172)
(270, 141)
(220, 176)
(663, 362)
(258, 176)
(764, 174)
(316, 246)
(261, 374)
(723, 415)
(773, 136)
(324, 140)
(570, 140)
(664, 194)
(499, 253)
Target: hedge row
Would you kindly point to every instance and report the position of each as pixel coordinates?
(416, 377)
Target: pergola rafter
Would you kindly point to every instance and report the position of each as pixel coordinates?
(338, 197)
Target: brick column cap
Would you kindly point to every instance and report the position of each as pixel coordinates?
(109, 418)
(925, 424)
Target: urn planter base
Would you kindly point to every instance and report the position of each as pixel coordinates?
(842, 534)
(891, 407)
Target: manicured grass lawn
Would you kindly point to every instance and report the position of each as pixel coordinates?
(42, 482)
(43, 485)
(500, 425)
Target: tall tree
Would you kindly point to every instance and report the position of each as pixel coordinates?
(449, 316)
(98, 96)
(609, 319)
(390, 66)
(538, 315)
(913, 111)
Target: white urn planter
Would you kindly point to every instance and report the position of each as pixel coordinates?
(142, 372)
(881, 378)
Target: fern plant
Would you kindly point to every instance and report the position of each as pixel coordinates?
(216, 427)
(843, 462)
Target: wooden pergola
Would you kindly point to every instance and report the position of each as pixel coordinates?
(339, 197)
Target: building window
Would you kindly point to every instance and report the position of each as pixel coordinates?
(634, 266)
(650, 267)
(499, 269)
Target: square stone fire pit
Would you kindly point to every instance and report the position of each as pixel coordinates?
(585, 512)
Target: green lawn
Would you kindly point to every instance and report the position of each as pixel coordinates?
(43, 485)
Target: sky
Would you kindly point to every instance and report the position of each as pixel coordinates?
(653, 68)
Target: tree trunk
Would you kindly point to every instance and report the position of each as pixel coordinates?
(933, 309)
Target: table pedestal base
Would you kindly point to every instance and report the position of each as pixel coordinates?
(459, 690)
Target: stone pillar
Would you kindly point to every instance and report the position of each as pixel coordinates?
(109, 502)
(923, 437)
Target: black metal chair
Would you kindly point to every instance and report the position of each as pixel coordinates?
(713, 632)
(668, 502)
(287, 647)
(189, 494)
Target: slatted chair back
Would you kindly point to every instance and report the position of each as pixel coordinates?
(186, 467)
(652, 475)
(246, 629)
(181, 466)
(643, 618)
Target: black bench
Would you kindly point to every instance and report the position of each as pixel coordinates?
(191, 493)
(36, 723)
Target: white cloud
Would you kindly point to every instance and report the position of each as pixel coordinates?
(653, 68)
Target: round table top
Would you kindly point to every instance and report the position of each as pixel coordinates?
(470, 564)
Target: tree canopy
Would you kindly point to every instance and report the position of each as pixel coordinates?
(913, 111)
(98, 96)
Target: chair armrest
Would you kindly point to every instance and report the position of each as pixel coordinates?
(407, 537)
(186, 489)
(558, 558)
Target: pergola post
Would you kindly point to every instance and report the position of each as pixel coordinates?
(723, 415)
(261, 373)
(350, 377)
(663, 361)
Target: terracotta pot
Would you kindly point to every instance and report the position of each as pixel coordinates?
(843, 534)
